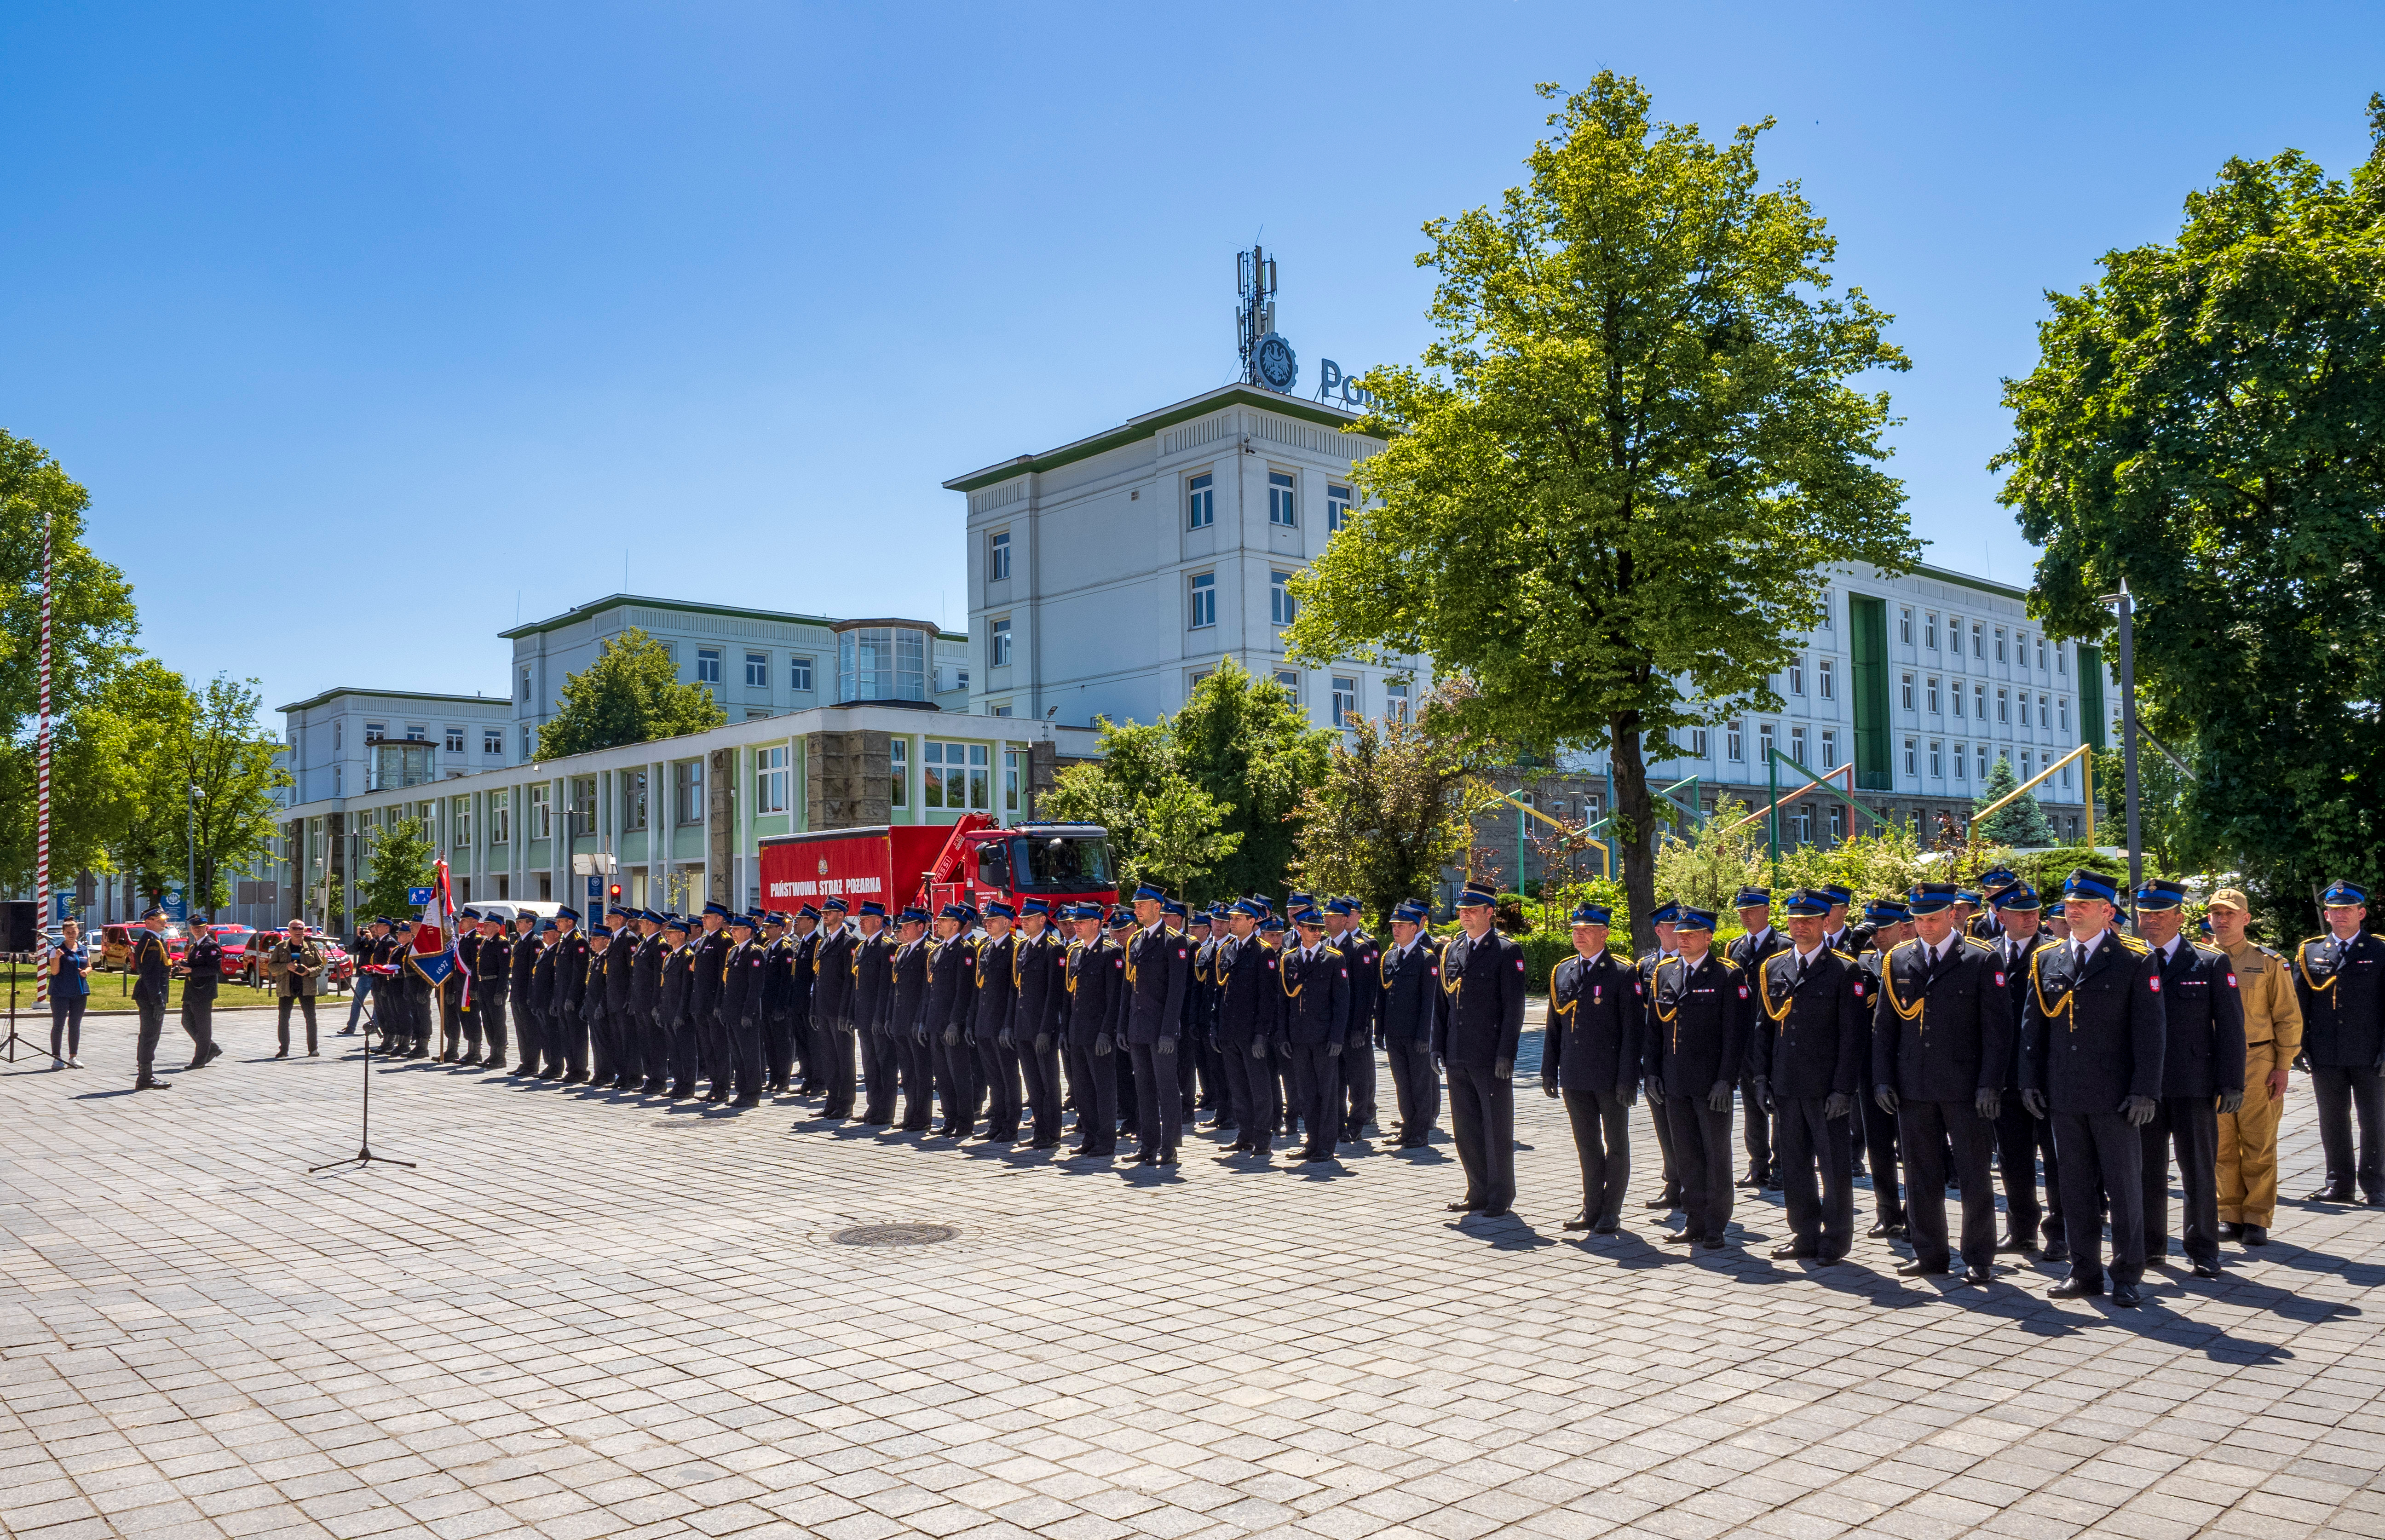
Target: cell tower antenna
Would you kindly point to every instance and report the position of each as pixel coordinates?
(1268, 360)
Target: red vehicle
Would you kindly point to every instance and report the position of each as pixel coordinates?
(972, 861)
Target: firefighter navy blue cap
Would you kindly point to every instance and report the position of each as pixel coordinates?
(1839, 894)
(871, 908)
(1148, 894)
(1251, 907)
(1341, 906)
(1477, 897)
(994, 910)
(2053, 909)
(1035, 906)
(960, 912)
(599, 933)
(1666, 913)
(1587, 914)
(2002, 876)
(2161, 893)
(1169, 906)
(1886, 912)
(1309, 919)
(675, 923)
(1410, 912)
(837, 904)
(1964, 895)
(809, 912)
(719, 909)
(565, 913)
(154, 911)
(1928, 897)
(914, 915)
(1752, 898)
(1809, 904)
(1274, 925)
(2082, 883)
(1121, 919)
(2341, 894)
(1693, 919)
(2020, 896)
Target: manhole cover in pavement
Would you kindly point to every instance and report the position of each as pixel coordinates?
(894, 1235)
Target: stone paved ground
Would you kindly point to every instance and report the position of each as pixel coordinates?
(591, 1316)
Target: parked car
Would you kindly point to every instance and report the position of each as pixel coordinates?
(116, 945)
(251, 965)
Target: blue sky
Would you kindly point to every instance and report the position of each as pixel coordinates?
(372, 327)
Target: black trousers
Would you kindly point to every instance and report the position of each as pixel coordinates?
(491, 1015)
(1417, 1086)
(2342, 1091)
(745, 1059)
(1814, 1156)
(778, 1047)
(833, 1042)
(799, 1048)
(1096, 1101)
(1669, 1168)
(2189, 1124)
(1701, 1161)
(199, 1021)
(1602, 1139)
(1040, 1070)
(1483, 1122)
(1216, 1090)
(526, 1035)
(1879, 1148)
(152, 1025)
(602, 1060)
(1357, 1084)
(1926, 1130)
(881, 1074)
(1287, 1087)
(1250, 1092)
(632, 1045)
(997, 1069)
(1158, 1103)
(306, 1004)
(2102, 1157)
(1188, 1067)
(962, 1085)
(568, 1039)
(1755, 1125)
(1315, 1085)
(2021, 1140)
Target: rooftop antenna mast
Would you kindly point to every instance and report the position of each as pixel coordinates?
(1254, 317)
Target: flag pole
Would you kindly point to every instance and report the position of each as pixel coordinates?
(42, 900)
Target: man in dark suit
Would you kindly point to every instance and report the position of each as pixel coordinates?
(2022, 1138)
(1700, 1006)
(484, 999)
(1040, 968)
(2092, 1038)
(1482, 1023)
(1315, 980)
(152, 967)
(833, 1023)
(1809, 1052)
(1096, 981)
(1661, 920)
(948, 1013)
(1941, 1057)
(2203, 1075)
(1409, 969)
(1988, 925)
(908, 1018)
(1356, 1098)
(1591, 1056)
(996, 1002)
(1158, 971)
(1749, 950)
(2340, 979)
(568, 1032)
(522, 960)
(1839, 933)
(802, 964)
(872, 969)
(1250, 1004)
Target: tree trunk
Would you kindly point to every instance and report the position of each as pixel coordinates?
(1637, 812)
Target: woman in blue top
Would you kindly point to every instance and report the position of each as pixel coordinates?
(70, 992)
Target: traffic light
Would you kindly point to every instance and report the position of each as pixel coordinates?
(614, 893)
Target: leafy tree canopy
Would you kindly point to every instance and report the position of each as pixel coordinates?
(1388, 813)
(2206, 420)
(398, 855)
(1612, 485)
(1245, 741)
(630, 694)
(1163, 828)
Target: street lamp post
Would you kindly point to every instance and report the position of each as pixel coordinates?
(191, 857)
(2126, 607)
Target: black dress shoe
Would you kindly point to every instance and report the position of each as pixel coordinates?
(577, 1078)
(1978, 1278)
(753, 1100)
(2017, 1243)
(1753, 1179)
(1168, 1156)
(1923, 1270)
(2056, 1252)
(2205, 1270)
(1464, 1206)
(2125, 1296)
(2074, 1288)
(1771, 1180)
(1682, 1237)
(1606, 1225)
(715, 1099)
(2327, 1195)
(1794, 1248)
(1714, 1243)
(2255, 1235)
(2374, 1200)
(1497, 1214)
(2230, 1230)
(1664, 1200)
(151, 1083)
(282, 1053)
(1578, 1222)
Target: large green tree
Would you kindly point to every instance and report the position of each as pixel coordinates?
(1162, 827)
(398, 855)
(2018, 821)
(1245, 741)
(630, 694)
(1391, 812)
(1611, 487)
(2207, 421)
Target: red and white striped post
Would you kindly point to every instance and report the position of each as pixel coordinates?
(42, 817)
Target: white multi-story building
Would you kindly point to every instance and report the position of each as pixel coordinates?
(1108, 575)
(348, 740)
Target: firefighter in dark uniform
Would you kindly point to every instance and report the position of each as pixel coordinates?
(1591, 1057)
(1700, 1010)
(1887, 924)
(871, 967)
(1312, 977)
(1988, 925)
(996, 1002)
(202, 977)
(1190, 926)
(952, 982)
(567, 1032)
(666, 1053)
(2340, 979)
(1661, 919)
(491, 971)
(742, 967)
(456, 1045)
(522, 969)
(1475, 1039)
(1216, 1093)
(1840, 935)
(592, 1024)
(1249, 1005)
(711, 946)
(1758, 943)
(152, 967)
(2203, 1075)
(1409, 973)
(549, 1032)
(1811, 1050)
(802, 977)
(1942, 1061)
(2022, 1138)
(625, 1032)
(396, 1011)
(778, 1004)
(652, 1051)
(1158, 972)
(906, 1017)
(2092, 1037)
(1365, 956)
(1097, 980)
(1038, 971)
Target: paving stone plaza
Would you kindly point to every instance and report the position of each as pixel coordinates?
(593, 1314)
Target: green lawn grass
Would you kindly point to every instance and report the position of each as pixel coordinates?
(114, 992)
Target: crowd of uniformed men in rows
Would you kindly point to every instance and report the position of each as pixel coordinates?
(1932, 1043)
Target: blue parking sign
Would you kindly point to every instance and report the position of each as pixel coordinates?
(418, 896)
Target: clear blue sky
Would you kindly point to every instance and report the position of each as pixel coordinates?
(370, 326)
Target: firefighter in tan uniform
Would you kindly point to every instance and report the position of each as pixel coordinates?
(2273, 1034)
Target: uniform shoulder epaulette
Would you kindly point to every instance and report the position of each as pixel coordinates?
(2213, 953)
(1731, 966)
(1842, 951)
(2308, 939)
(2265, 951)
(1976, 942)
(2132, 944)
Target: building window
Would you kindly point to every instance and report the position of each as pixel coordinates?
(2024, 764)
(687, 791)
(954, 775)
(1933, 694)
(1280, 508)
(1280, 604)
(1290, 679)
(1345, 701)
(1828, 600)
(1001, 708)
(492, 741)
(1697, 743)
(336, 724)
(583, 804)
(376, 731)
(799, 675)
(2061, 661)
(1954, 638)
(415, 732)
(898, 773)
(1912, 756)
(707, 665)
(757, 670)
(1930, 630)
(2040, 654)
(501, 817)
(1200, 501)
(525, 743)
(542, 812)
(339, 780)
(1837, 822)
(1962, 756)
(1826, 678)
(1337, 507)
(1980, 701)
(1764, 743)
(1733, 749)
(997, 557)
(1999, 645)
(633, 799)
(1204, 600)
(525, 684)
(1904, 624)
(881, 663)
(2044, 712)
(1797, 746)
(452, 740)
(2003, 705)
(460, 822)
(1829, 750)
(1979, 640)
(2065, 775)
(1958, 697)
(1908, 693)
(1979, 753)
(2061, 713)
(1395, 700)
(1937, 760)
(770, 778)
(1801, 824)
(1010, 778)
(1797, 676)
(998, 645)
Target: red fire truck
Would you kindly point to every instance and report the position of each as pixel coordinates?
(972, 860)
